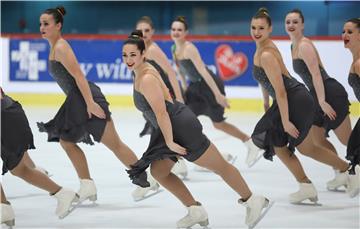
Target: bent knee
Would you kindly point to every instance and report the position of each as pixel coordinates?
(158, 172)
(309, 151)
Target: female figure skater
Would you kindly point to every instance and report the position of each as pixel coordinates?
(85, 111)
(156, 57)
(286, 124)
(177, 131)
(351, 37)
(331, 99)
(16, 139)
(205, 94)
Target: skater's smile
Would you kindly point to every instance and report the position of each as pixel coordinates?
(260, 30)
(293, 24)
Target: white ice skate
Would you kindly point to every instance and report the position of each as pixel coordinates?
(66, 202)
(143, 193)
(353, 188)
(42, 170)
(7, 215)
(196, 215)
(87, 191)
(253, 153)
(307, 191)
(256, 209)
(180, 169)
(341, 179)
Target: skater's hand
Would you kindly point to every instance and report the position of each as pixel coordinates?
(221, 99)
(95, 109)
(176, 148)
(328, 110)
(290, 128)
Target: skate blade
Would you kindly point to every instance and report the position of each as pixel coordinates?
(10, 223)
(263, 213)
(254, 161)
(336, 190)
(73, 206)
(149, 195)
(9, 226)
(92, 199)
(353, 193)
(308, 204)
(204, 225)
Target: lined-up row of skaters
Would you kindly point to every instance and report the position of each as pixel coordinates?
(298, 117)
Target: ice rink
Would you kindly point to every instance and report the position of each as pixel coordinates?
(34, 208)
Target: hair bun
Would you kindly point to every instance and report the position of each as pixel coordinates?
(61, 10)
(136, 34)
(263, 10)
(181, 18)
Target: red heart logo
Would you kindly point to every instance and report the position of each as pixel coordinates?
(230, 65)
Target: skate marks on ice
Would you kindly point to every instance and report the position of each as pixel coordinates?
(26, 196)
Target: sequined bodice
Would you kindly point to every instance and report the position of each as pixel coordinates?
(187, 68)
(61, 76)
(260, 76)
(354, 81)
(302, 70)
(142, 105)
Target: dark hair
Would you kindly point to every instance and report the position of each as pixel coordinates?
(356, 21)
(297, 11)
(58, 14)
(263, 13)
(182, 20)
(136, 38)
(147, 20)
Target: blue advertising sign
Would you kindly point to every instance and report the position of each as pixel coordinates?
(101, 61)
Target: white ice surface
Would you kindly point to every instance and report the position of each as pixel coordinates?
(34, 208)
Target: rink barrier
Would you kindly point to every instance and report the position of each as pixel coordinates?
(126, 101)
(242, 91)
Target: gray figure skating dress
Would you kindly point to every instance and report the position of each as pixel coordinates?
(353, 147)
(71, 123)
(335, 95)
(269, 131)
(16, 135)
(164, 76)
(187, 132)
(198, 95)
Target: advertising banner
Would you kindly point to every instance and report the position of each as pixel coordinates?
(101, 60)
